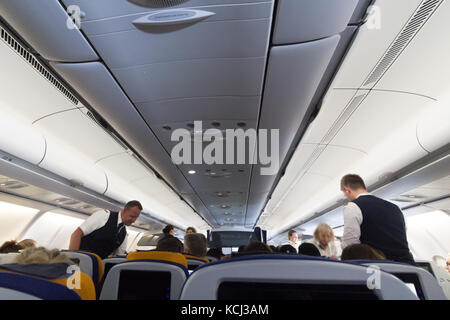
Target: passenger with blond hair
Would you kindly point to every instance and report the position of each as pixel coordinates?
(324, 241)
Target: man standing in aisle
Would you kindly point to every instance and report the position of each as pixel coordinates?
(104, 232)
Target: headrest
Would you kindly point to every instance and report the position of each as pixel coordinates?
(158, 255)
(54, 272)
(43, 289)
(47, 271)
(188, 256)
(97, 263)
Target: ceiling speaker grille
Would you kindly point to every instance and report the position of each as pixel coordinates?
(29, 57)
(420, 17)
(158, 3)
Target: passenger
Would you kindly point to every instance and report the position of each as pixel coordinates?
(293, 239)
(170, 244)
(448, 263)
(361, 252)
(42, 256)
(287, 249)
(169, 233)
(190, 230)
(11, 247)
(195, 244)
(324, 241)
(215, 253)
(28, 243)
(241, 249)
(373, 221)
(308, 249)
(104, 233)
(257, 247)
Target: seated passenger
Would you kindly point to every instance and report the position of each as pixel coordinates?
(42, 256)
(170, 244)
(324, 241)
(28, 243)
(287, 249)
(361, 252)
(11, 247)
(215, 253)
(274, 249)
(308, 249)
(190, 230)
(448, 263)
(195, 244)
(241, 249)
(257, 247)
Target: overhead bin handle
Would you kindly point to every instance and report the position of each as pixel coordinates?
(172, 17)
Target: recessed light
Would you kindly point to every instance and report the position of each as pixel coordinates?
(191, 171)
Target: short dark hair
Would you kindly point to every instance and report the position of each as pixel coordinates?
(196, 244)
(291, 232)
(361, 251)
(257, 247)
(192, 229)
(133, 203)
(168, 228)
(308, 249)
(352, 181)
(170, 244)
(288, 249)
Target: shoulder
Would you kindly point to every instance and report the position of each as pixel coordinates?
(100, 214)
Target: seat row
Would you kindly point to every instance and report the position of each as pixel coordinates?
(157, 275)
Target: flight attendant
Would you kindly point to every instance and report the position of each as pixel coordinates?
(373, 221)
(104, 233)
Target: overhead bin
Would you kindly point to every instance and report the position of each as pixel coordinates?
(82, 133)
(20, 139)
(433, 129)
(44, 25)
(305, 20)
(68, 163)
(93, 81)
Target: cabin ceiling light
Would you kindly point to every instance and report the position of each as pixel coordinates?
(191, 171)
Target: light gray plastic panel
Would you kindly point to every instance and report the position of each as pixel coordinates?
(305, 20)
(360, 11)
(122, 44)
(204, 108)
(43, 25)
(293, 74)
(101, 9)
(93, 82)
(194, 78)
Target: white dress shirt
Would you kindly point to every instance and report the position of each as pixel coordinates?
(97, 220)
(353, 219)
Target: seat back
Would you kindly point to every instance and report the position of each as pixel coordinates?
(144, 280)
(108, 263)
(89, 263)
(193, 261)
(158, 256)
(421, 282)
(273, 277)
(15, 286)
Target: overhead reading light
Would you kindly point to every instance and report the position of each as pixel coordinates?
(191, 171)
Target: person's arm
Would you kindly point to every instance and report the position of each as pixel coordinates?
(352, 225)
(75, 239)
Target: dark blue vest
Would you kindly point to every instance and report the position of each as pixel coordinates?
(383, 228)
(106, 240)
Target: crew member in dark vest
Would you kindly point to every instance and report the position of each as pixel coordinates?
(104, 232)
(373, 221)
